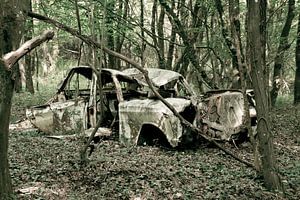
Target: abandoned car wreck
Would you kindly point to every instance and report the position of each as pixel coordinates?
(138, 115)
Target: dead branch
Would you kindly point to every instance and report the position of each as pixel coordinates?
(12, 57)
(90, 41)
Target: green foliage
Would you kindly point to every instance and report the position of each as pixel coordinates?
(284, 100)
(47, 88)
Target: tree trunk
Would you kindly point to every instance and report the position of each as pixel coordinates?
(8, 22)
(46, 63)
(257, 50)
(297, 75)
(20, 77)
(225, 32)
(171, 48)
(143, 44)
(123, 8)
(28, 58)
(283, 46)
(157, 26)
(160, 41)
(109, 6)
(7, 68)
(80, 44)
(6, 92)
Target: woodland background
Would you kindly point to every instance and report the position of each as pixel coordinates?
(202, 40)
(215, 44)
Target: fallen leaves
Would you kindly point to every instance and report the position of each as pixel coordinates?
(42, 168)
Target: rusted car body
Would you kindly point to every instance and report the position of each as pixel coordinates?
(220, 114)
(140, 116)
(75, 106)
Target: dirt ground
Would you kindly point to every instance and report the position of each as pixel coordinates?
(43, 168)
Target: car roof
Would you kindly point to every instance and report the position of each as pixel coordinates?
(159, 77)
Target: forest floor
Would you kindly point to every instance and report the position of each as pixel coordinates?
(43, 168)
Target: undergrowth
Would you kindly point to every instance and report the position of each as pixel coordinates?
(53, 170)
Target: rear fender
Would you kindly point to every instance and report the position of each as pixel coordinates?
(59, 117)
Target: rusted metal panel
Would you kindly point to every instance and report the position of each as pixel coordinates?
(59, 117)
(224, 114)
(22, 125)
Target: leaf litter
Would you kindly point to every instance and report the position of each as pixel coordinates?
(43, 168)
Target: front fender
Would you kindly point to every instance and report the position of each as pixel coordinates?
(136, 113)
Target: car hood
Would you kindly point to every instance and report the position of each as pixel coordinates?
(154, 105)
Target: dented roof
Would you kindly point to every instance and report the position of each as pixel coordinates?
(159, 77)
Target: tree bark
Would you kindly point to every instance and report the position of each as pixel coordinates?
(6, 92)
(283, 46)
(297, 74)
(257, 50)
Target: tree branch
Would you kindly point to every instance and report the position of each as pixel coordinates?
(90, 41)
(13, 57)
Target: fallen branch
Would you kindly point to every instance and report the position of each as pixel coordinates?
(90, 41)
(13, 57)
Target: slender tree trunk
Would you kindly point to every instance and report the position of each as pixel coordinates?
(297, 74)
(28, 58)
(20, 77)
(80, 45)
(123, 9)
(257, 49)
(143, 45)
(170, 54)
(37, 68)
(225, 32)
(157, 26)
(8, 62)
(109, 6)
(283, 46)
(160, 41)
